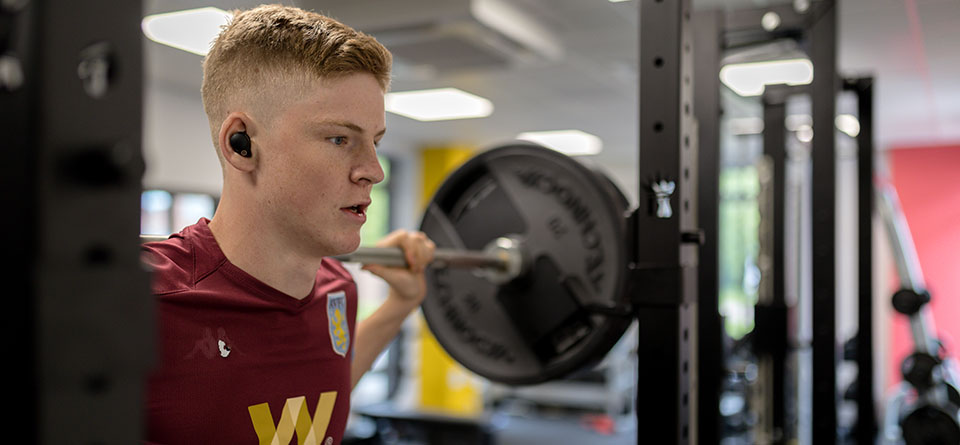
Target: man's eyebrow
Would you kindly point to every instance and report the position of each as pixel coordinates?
(351, 126)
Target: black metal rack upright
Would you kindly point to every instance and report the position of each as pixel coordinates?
(866, 428)
(707, 39)
(823, 90)
(772, 334)
(665, 227)
(80, 316)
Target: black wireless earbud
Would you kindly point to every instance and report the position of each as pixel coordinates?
(240, 143)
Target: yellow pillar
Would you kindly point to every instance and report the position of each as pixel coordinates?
(445, 386)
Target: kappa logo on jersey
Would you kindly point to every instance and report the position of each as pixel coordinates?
(339, 329)
(294, 419)
(208, 346)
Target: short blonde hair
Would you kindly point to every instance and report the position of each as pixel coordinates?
(270, 42)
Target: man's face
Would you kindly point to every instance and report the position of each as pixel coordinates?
(318, 163)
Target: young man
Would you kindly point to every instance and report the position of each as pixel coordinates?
(257, 326)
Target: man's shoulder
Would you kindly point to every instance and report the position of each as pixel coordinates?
(172, 263)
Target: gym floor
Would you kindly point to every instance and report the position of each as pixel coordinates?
(528, 430)
(380, 424)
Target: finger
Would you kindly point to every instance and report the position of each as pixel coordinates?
(430, 245)
(409, 253)
(412, 254)
(418, 249)
(425, 248)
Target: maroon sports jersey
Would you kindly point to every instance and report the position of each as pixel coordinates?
(239, 361)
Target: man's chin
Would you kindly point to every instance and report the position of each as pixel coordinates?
(328, 247)
(347, 247)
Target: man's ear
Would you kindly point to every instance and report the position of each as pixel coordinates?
(235, 142)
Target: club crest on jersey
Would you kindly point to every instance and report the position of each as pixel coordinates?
(339, 329)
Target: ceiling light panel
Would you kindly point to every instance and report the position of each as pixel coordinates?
(191, 30)
(438, 104)
(568, 142)
(749, 79)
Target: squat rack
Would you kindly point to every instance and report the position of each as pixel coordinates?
(63, 163)
(680, 373)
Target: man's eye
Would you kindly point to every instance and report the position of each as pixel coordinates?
(338, 140)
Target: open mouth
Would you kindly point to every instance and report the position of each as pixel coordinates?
(359, 209)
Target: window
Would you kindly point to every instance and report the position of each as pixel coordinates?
(155, 208)
(163, 212)
(188, 208)
(739, 217)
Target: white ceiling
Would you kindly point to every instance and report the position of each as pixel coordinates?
(912, 47)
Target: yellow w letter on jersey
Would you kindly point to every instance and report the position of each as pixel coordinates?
(294, 418)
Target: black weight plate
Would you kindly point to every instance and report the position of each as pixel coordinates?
(572, 223)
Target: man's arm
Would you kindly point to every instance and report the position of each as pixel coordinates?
(407, 290)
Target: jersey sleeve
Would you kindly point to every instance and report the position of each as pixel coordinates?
(171, 263)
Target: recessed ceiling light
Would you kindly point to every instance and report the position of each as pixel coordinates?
(848, 124)
(749, 79)
(770, 21)
(568, 142)
(438, 104)
(192, 30)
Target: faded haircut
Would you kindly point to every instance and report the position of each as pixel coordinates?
(276, 45)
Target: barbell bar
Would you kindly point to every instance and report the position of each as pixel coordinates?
(393, 257)
(500, 262)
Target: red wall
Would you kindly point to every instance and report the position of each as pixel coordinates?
(928, 182)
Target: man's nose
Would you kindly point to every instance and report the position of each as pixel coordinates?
(369, 168)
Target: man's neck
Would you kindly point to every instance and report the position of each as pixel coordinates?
(257, 250)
